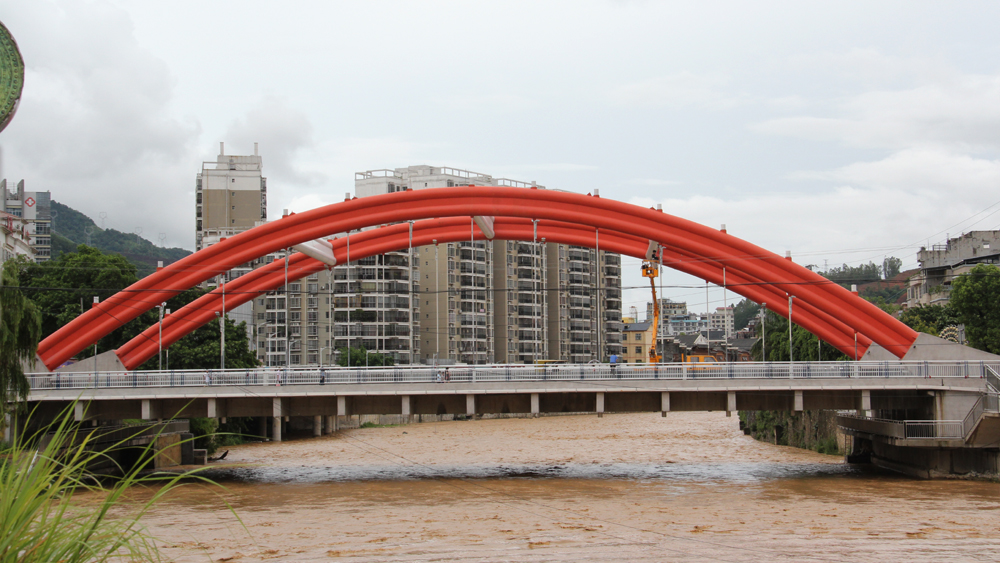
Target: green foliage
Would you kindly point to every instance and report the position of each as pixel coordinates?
(881, 303)
(41, 523)
(72, 226)
(891, 267)
(931, 319)
(804, 343)
(20, 331)
(846, 275)
(201, 348)
(211, 435)
(743, 312)
(64, 287)
(886, 292)
(975, 297)
(362, 357)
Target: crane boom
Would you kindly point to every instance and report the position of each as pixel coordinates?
(650, 270)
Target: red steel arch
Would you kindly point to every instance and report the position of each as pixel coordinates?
(396, 237)
(682, 238)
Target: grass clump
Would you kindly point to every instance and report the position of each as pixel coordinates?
(39, 520)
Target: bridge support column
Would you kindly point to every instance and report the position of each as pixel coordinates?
(210, 408)
(600, 405)
(6, 428)
(150, 410)
(405, 407)
(664, 403)
(534, 404)
(866, 402)
(730, 403)
(78, 411)
(798, 400)
(470, 405)
(341, 405)
(317, 426)
(276, 426)
(330, 422)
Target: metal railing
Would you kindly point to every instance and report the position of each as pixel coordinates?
(909, 429)
(315, 375)
(933, 429)
(930, 429)
(992, 379)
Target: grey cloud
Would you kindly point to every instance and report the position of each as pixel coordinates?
(284, 134)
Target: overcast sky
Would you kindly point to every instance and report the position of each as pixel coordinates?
(843, 132)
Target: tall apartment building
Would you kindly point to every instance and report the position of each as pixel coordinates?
(35, 209)
(230, 196)
(497, 301)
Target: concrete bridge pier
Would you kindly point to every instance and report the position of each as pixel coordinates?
(534, 405)
(317, 426)
(277, 412)
(600, 405)
(330, 421)
(664, 403)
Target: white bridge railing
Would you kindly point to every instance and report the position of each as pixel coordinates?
(512, 373)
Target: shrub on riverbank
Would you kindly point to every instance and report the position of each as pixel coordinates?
(39, 520)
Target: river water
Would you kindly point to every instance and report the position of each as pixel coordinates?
(688, 487)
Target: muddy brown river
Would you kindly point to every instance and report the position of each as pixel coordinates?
(689, 487)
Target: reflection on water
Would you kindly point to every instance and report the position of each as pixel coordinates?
(628, 487)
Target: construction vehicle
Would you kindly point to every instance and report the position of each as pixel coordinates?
(651, 270)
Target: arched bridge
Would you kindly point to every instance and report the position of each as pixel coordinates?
(826, 309)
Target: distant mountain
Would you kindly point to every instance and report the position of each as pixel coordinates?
(72, 228)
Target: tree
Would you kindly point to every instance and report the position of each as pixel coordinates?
(201, 349)
(20, 331)
(931, 319)
(975, 297)
(743, 312)
(804, 343)
(63, 288)
(847, 275)
(362, 357)
(891, 267)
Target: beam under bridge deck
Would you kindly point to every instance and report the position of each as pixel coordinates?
(932, 395)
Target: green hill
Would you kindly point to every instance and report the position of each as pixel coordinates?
(72, 228)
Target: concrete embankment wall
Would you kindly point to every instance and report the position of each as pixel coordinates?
(811, 429)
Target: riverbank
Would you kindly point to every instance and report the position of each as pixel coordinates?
(688, 487)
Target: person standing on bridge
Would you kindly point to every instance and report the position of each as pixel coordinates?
(614, 363)
(208, 379)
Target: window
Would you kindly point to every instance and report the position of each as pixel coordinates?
(638, 349)
(638, 336)
(233, 180)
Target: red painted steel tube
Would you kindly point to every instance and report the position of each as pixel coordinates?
(738, 255)
(395, 237)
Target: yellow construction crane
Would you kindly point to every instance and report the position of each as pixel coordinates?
(650, 270)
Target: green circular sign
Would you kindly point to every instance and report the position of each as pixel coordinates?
(11, 76)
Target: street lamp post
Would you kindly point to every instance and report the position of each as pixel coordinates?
(288, 351)
(763, 329)
(222, 321)
(161, 342)
(790, 347)
(159, 353)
